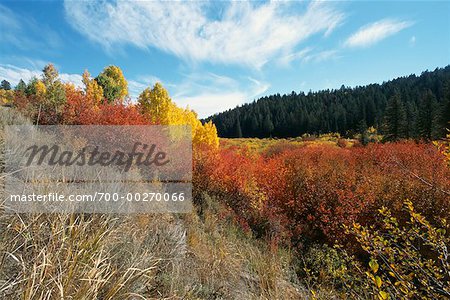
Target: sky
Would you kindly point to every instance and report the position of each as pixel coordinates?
(215, 55)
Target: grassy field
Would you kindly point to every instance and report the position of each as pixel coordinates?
(267, 224)
(161, 256)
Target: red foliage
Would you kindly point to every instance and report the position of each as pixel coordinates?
(81, 110)
(292, 193)
(112, 114)
(308, 193)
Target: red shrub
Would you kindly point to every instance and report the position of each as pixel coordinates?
(308, 193)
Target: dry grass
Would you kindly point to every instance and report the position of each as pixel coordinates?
(225, 263)
(160, 256)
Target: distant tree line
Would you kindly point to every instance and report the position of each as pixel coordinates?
(407, 107)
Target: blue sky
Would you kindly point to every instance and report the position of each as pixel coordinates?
(214, 55)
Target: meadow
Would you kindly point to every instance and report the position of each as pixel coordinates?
(313, 217)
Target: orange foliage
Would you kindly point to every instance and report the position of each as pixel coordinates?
(309, 193)
(113, 114)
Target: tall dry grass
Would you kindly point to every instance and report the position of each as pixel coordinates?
(152, 256)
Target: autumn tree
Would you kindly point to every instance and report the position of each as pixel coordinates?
(6, 96)
(113, 83)
(156, 104)
(49, 75)
(408, 261)
(46, 96)
(92, 90)
(55, 95)
(30, 89)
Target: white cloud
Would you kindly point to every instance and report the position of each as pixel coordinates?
(76, 79)
(13, 74)
(207, 104)
(412, 40)
(249, 33)
(206, 93)
(320, 56)
(372, 33)
(308, 55)
(209, 93)
(299, 55)
(135, 87)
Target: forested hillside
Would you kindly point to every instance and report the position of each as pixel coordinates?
(406, 107)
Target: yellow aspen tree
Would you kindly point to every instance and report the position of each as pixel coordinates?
(92, 90)
(158, 106)
(40, 88)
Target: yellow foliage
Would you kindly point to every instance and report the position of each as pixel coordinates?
(6, 96)
(69, 87)
(398, 267)
(207, 134)
(92, 89)
(40, 88)
(444, 147)
(158, 106)
(156, 103)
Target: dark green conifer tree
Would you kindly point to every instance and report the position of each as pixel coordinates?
(395, 119)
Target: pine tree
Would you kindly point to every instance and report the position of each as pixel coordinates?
(268, 126)
(238, 133)
(427, 121)
(338, 110)
(445, 113)
(371, 112)
(254, 126)
(5, 85)
(21, 86)
(411, 118)
(395, 118)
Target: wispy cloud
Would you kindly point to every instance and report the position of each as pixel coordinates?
(13, 74)
(299, 55)
(373, 33)
(250, 33)
(135, 87)
(76, 79)
(25, 33)
(321, 56)
(308, 55)
(208, 93)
